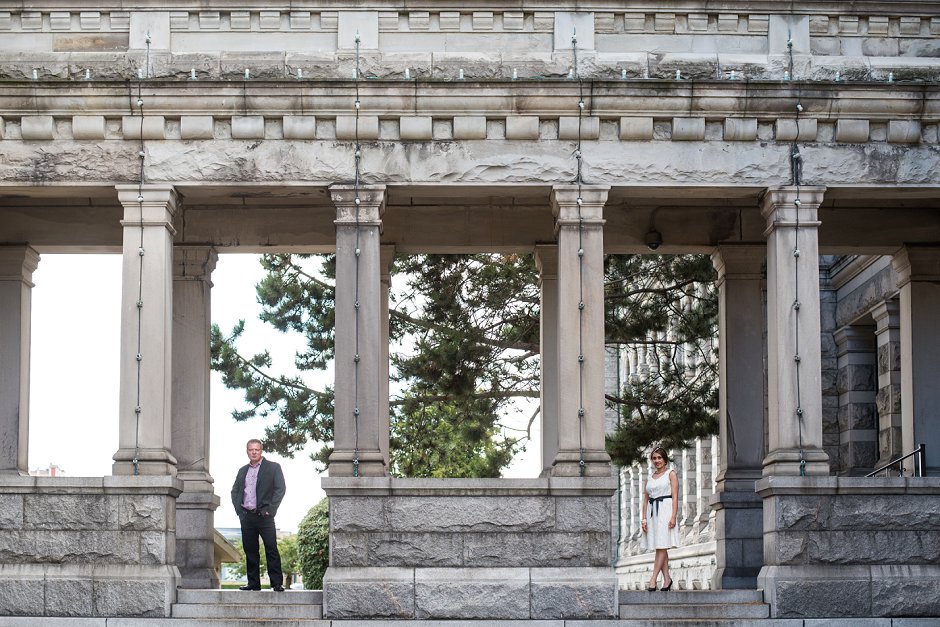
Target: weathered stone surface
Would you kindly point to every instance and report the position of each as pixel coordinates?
(11, 512)
(68, 597)
(470, 514)
(78, 547)
(688, 129)
(368, 593)
(134, 597)
(536, 549)
(582, 514)
(155, 547)
(88, 127)
(37, 127)
(21, 597)
(357, 514)
(300, 127)
(803, 512)
(197, 127)
(522, 127)
(572, 127)
(822, 598)
(247, 127)
(415, 128)
(415, 549)
(349, 549)
(150, 127)
(880, 512)
(636, 128)
(906, 591)
(346, 128)
(573, 593)
(470, 127)
(145, 512)
(80, 511)
(890, 546)
(472, 593)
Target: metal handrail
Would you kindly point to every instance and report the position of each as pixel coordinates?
(919, 463)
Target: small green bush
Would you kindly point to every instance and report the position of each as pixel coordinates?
(313, 545)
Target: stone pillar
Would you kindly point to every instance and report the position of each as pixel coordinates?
(858, 447)
(579, 225)
(738, 514)
(918, 270)
(794, 358)
(688, 488)
(357, 449)
(704, 480)
(17, 264)
(888, 400)
(546, 259)
(146, 331)
(387, 260)
(195, 507)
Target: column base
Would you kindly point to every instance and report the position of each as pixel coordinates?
(739, 537)
(195, 541)
(786, 462)
(371, 464)
(151, 461)
(568, 464)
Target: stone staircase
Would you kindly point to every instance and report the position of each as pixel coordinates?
(235, 605)
(699, 605)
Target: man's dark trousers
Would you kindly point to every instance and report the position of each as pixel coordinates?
(254, 525)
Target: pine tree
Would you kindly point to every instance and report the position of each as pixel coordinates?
(467, 332)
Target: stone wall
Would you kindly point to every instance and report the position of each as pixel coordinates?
(851, 546)
(462, 549)
(100, 546)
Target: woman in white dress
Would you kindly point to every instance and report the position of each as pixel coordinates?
(661, 503)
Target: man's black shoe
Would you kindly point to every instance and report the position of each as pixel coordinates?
(249, 588)
(278, 588)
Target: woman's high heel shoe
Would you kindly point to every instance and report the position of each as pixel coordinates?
(665, 588)
(653, 589)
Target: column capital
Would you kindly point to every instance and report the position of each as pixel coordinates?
(546, 260)
(779, 206)
(742, 261)
(853, 339)
(916, 263)
(371, 204)
(18, 262)
(194, 263)
(150, 205)
(386, 260)
(887, 315)
(567, 211)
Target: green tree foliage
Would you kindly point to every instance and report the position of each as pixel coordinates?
(668, 306)
(313, 545)
(287, 547)
(466, 330)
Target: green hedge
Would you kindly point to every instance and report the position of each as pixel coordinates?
(313, 545)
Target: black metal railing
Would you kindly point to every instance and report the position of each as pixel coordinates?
(920, 459)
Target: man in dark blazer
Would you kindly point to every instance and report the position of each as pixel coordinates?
(257, 493)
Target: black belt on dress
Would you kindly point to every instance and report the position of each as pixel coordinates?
(657, 501)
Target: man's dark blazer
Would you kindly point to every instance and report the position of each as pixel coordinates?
(269, 490)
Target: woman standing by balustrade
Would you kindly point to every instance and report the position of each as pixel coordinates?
(661, 504)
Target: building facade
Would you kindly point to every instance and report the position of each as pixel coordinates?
(764, 134)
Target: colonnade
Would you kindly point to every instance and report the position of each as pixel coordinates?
(165, 325)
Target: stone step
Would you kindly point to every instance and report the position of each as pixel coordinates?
(708, 611)
(247, 611)
(288, 597)
(642, 597)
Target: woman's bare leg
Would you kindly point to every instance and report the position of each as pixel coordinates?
(657, 566)
(665, 568)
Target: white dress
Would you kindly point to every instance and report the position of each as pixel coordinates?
(658, 534)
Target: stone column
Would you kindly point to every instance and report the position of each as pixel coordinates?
(17, 264)
(888, 400)
(794, 358)
(579, 225)
(546, 259)
(688, 489)
(146, 331)
(704, 480)
(387, 255)
(357, 449)
(858, 449)
(918, 270)
(738, 513)
(195, 507)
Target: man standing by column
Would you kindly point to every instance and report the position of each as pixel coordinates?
(256, 495)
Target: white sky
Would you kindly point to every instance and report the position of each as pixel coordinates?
(74, 378)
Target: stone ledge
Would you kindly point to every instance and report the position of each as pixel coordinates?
(815, 486)
(70, 486)
(546, 486)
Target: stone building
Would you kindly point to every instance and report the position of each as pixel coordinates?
(764, 134)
